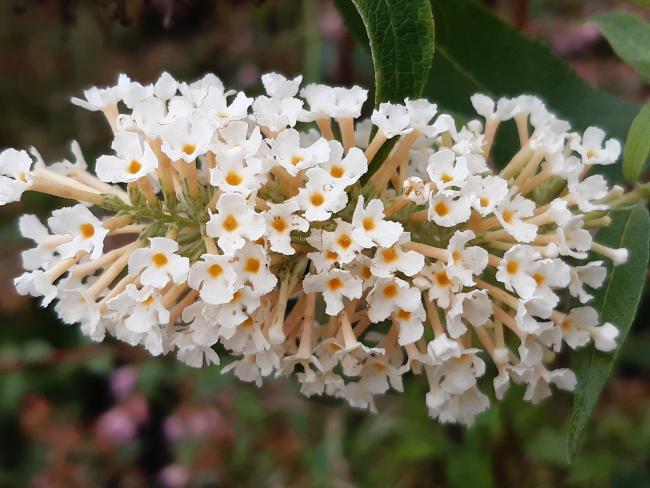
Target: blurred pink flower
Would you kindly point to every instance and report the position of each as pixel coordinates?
(174, 476)
(122, 381)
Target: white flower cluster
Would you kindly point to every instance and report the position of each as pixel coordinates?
(277, 231)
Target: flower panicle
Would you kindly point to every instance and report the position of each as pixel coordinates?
(224, 228)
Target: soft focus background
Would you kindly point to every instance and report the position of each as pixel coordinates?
(74, 413)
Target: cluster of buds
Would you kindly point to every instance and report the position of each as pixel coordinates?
(293, 237)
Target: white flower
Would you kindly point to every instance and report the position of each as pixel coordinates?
(165, 87)
(141, 309)
(235, 134)
(573, 240)
(131, 92)
(15, 175)
(416, 190)
(253, 267)
(186, 139)
(510, 214)
(446, 171)
(236, 173)
(73, 307)
(486, 107)
(214, 276)
(278, 86)
(280, 221)
(581, 325)
(219, 112)
(464, 262)
(391, 259)
(442, 348)
(439, 286)
(390, 294)
(36, 283)
(321, 196)
(370, 228)
(447, 209)
(292, 157)
(391, 119)
(410, 325)
(97, 98)
(159, 263)
(420, 114)
(134, 160)
(41, 256)
(345, 170)
(234, 222)
(474, 307)
(592, 274)
(591, 147)
(486, 193)
(320, 99)
(585, 192)
(86, 230)
(450, 408)
(342, 241)
(515, 270)
(348, 101)
(193, 353)
(334, 285)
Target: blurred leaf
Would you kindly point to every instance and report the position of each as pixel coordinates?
(629, 36)
(617, 302)
(401, 43)
(637, 145)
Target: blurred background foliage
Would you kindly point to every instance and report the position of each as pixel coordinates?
(79, 414)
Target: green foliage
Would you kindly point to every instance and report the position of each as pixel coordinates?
(401, 42)
(477, 52)
(637, 145)
(629, 36)
(617, 303)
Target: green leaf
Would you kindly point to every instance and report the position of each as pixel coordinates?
(401, 42)
(617, 303)
(629, 36)
(637, 145)
(477, 52)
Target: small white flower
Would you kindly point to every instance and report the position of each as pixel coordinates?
(97, 98)
(214, 276)
(485, 106)
(292, 157)
(278, 86)
(234, 222)
(131, 92)
(86, 230)
(253, 267)
(510, 214)
(464, 262)
(141, 309)
(447, 209)
(334, 285)
(394, 258)
(159, 263)
(165, 87)
(391, 119)
(585, 192)
(280, 221)
(515, 270)
(345, 170)
(236, 173)
(486, 193)
(389, 295)
(416, 190)
(474, 307)
(592, 274)
(411, 325)
(446, 171)
(436, 282)
(420, 114)
(591, 147)
(15, 177)
(370, 228)
(134, 160)
(185, 139)
(321, 196)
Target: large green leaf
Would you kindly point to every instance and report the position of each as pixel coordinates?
(629, 36)
(477, 51)
(637, 145)
(401, 42)
(617, 303)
